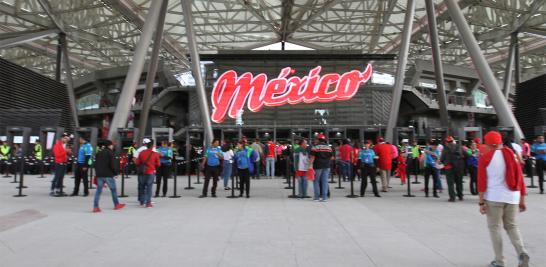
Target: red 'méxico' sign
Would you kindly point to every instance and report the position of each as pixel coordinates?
(231, 92)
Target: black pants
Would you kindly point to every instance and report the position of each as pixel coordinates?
(473, 179)
(435, 173)
(81, 174)
(528, 167)
(244, 182)
(211, 172)
(454, 184)
(163, 174)
(413, 167)
(368, 170)
(541, 164)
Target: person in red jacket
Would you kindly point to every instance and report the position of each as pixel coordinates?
(384, 152)
(502, 192)
(61, 159)
(150, 160)
(401, 167)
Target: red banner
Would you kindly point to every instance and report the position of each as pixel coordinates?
(231, 91)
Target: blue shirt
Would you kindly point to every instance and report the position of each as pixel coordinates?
(429, 159)
(242, 159)
(212, 156)
(85, 150)
(536, 147)
(366, 156)
(166, 154)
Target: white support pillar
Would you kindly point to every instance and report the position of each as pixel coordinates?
(401, 70)
(128, 91)
(438, 68)
(507, 83)
(504, 113)
(196, 71)
(152, 69)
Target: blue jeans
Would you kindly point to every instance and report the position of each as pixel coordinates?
(270, 167)
(226, 172)
(321, 179)
(100, 184)
(60, 170)
(302, 186)
(145, 185)
(345, 168)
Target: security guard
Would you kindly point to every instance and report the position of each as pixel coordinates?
(38, 156)
(5, 152)
(130, 156)
(85, 160)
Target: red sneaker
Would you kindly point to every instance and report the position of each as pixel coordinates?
(119, 206)
(149, 206)
(96, 210)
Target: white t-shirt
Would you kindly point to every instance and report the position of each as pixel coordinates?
(228, 156)
(497, 190)
(137, 152)
(517, 148)
(303, 163)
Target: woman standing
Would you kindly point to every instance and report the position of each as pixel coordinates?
(301, 165)
(243, 168)
(228, 164)
(106, 169)
(472, 163)
(367, 158)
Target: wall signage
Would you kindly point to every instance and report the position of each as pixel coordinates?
(231, 91)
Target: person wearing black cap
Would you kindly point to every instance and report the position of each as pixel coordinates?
(85, 160)
(106, 168)
(319, 160)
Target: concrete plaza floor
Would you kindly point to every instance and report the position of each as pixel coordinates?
(268, 229)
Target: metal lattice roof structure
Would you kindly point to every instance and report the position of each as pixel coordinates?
(103, 33)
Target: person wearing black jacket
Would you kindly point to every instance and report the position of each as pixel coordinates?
(452, 159)
(106, 168)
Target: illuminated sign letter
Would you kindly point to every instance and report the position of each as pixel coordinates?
(231, 92)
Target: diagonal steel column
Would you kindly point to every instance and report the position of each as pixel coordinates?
(504, 113)
(438, 68)
(507, 83)
(517, 68)
(68, 79)
(25, 38)
(128, 91)
(401, 70)
(59, 60)
(152, 69)
(196, 71)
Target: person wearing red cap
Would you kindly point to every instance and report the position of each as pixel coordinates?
(501, 192)
(366, 159)
(384, 152)
(319, 160)
(452, 159)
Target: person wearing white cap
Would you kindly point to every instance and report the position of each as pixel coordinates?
(145, 141)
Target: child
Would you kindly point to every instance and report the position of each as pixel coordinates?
(401, 167)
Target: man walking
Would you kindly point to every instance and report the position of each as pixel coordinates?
(539, 149)
(320, 157)
(502, 192)
(149, 160)
(85, 160)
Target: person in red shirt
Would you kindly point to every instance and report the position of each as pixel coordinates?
(401, 167)
(61, 159)
(526, 155)
(384, 152)
(346, 155)
(150, 160)
(270, 159)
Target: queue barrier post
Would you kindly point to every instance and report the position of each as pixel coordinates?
(21, 179)
(352, 194)
(232, 188)
(175, 177)
(409, 190)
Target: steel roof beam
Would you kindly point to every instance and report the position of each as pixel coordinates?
(25, 38)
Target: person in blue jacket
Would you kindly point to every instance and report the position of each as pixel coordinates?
(244, 165)
(85, 160)
(539, 151)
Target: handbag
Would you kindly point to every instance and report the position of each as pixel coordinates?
(142, 168)
(310, 174)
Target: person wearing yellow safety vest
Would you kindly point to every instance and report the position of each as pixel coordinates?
(413, 165)
(38, 156)
(85, 160)
(5, 151)
(130, 158)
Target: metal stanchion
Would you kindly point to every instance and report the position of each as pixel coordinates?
(189, 187)
(198, 174)
(21, 179)
(7, 166)
(175, 184)
(290, 184)
(15, 172)
(352, 194)
(339, 182)
(232, 189)
(122, 193)
(293, 187)
(409, 190)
